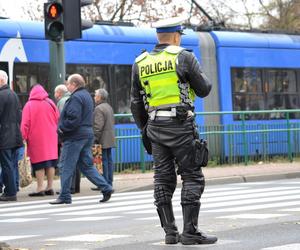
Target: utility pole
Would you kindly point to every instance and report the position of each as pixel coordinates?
(63, 22)
(57, 64)
(54, 28)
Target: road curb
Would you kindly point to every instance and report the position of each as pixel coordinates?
(270, 177)
(226, 180)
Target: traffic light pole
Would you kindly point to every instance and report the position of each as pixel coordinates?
(57, 64)
(62, 23)
(57, 61)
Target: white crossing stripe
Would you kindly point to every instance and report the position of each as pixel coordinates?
(295, 209)
(252, 216)
(89, 237)
(15, 237)
(17, 220)
(253, 207)
(92, 218)
(249, 191)
(156, 217)
(295, 246)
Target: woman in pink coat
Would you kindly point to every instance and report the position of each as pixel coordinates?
(39, 125)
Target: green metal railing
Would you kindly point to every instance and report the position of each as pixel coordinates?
(243, 141)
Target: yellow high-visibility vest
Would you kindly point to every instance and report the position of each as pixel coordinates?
(159, 79)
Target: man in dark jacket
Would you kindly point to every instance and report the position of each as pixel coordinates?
(164, 84)
(76, 132)
(10, 137)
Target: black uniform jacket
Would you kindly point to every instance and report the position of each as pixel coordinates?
(188, 70)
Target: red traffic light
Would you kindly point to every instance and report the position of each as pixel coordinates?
(54, 10)
(54, 26)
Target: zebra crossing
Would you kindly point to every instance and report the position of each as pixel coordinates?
(240, 201)
(237, 198)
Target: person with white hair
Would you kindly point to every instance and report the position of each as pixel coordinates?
(10, 137)
(61, 95)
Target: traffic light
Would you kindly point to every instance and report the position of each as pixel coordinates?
(73, 24)
(54, 26)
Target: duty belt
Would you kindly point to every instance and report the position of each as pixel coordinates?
(167, 113)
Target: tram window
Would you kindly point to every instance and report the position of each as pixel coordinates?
(96, 76)
(28, 74)
(247, 95)
(278, 91)
(282, 89)
(20, 84)
(122, 79)
(122, 88)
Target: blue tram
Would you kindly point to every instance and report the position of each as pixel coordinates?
(249, 71)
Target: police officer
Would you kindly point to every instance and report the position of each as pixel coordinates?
(164, 84)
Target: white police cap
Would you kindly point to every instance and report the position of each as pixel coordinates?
(170, 25)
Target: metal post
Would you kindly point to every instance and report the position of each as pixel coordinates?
(289, 137)
(57, 64)
(245, 147)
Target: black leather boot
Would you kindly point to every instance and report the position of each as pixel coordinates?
(191, 235)
(167, 220)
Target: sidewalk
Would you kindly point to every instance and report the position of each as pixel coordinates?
(213, 175)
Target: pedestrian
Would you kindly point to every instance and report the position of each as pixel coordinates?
(39, 125)
(164, 84)
(61, 95)
(76, 132)
(104, 132)
(18, 156)
(10, 137)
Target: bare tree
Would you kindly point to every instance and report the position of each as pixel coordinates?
(281, 15)
(3, 12)
(34, 11)
(245, 14)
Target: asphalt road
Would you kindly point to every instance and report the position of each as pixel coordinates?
(254, 216)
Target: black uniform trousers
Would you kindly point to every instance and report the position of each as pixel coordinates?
(172, 147)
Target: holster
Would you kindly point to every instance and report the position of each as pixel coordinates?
(200, 152)
(181, 113)
(146, 140)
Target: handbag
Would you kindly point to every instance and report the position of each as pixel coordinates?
(97, 157)
(24, 165)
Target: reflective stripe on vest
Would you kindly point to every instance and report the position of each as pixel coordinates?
(159, 79)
